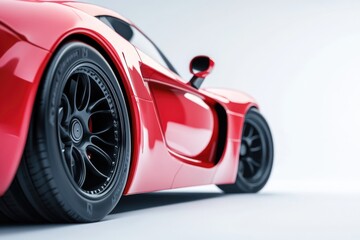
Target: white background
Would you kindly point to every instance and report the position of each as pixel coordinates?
(301, 61)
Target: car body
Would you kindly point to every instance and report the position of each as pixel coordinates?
(181, 136)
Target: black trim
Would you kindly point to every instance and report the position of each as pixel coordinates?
(196, 82)
(114, 24)
(222, 135)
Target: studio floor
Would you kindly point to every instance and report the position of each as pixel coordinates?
(206, 213)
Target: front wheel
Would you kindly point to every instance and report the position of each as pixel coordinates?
(256, 156)
(77, 156)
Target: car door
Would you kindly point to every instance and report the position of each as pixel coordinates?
(187, 118)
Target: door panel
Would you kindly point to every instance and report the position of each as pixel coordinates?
(187, 121)
(187, 117)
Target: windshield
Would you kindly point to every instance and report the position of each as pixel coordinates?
(138, 39)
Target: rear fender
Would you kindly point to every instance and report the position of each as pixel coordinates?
(36, 35)
(18, 79)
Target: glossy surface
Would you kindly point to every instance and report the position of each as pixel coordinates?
(183, 115)
(181, 136)
(201, 66)
(17, 77)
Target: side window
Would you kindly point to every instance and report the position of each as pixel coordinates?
(135, 37)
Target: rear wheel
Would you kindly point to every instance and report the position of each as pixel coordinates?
(77, 155)
(256, 156)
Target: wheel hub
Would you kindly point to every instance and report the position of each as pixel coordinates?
(243, 149)
(77, 131)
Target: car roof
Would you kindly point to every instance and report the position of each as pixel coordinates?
(91, 9)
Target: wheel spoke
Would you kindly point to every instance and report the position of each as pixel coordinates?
(253, 138)
(255, 149)
(101, 112)
(64, 133)
(61, 114)
(96, 103)
(250, 139)
(66, 109)
(250, 133)
(99, 132)
(251, 167)
(241, 167)
(100, 152)
(73, 92)
(105, 126)
(86, 95)
(253, 162)
(94, 169)
(83, 174)
(80, 173)
(68, 151)
(95, 137)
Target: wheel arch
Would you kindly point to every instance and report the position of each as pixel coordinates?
(105, 49)
(106, 54)
(109, 53)
(74, 25)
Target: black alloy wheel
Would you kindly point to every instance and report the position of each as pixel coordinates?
(255, 157)
(77, 155)
(88, 130)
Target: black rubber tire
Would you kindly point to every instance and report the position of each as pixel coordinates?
(255, 183)
(4, 219)
(43, 190)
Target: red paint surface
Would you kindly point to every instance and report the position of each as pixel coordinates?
(175, 128)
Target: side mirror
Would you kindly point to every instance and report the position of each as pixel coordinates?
(200, 67)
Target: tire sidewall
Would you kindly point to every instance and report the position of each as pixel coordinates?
(64, 62)
(255, 117)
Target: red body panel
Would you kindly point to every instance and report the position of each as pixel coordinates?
(175, 128)
(184, 114)
(17, 77)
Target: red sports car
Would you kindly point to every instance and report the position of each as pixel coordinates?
(91, 109)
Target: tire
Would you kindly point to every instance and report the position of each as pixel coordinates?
(77, 156)
(4, 219)
(256, 156)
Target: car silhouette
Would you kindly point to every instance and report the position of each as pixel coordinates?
(91, 109)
